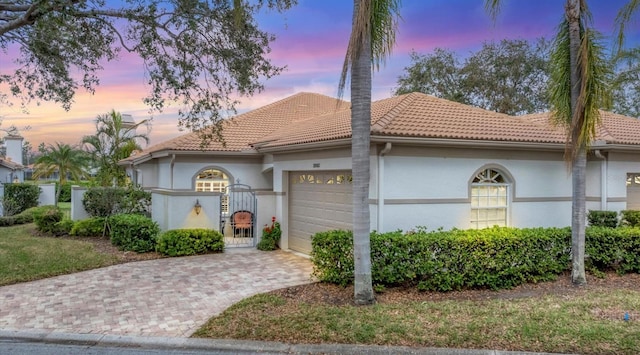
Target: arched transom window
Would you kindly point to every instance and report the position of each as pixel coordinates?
(489, 199)
(211, 180)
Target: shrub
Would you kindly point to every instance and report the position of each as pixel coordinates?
(603, 218)
(107, 201)
(90, 227)
(19, 197)
(133, 232)
(616, 249)
(23, 217)
(64, 227)
(47, 220)
(448, 260)
(137, 201)
(102, 201)
(7, 221)
(630, 218)
(178, 242)
(270, 236)
(65, 192)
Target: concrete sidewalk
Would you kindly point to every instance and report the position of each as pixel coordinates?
(187, 344)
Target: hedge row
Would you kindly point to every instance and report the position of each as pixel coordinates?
(180, 242)
(627, 218)
(23, 217)
(492, 258)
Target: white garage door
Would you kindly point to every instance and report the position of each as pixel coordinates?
(633, 191)
(318, 202)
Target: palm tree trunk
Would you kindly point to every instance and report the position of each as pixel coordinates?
(360, 145)
(578, 171)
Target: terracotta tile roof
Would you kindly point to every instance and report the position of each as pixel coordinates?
(424, 116)
(253, 125)
(309, 118)
(420, 115)
(6, 162)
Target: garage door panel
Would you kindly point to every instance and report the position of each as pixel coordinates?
(317, 203)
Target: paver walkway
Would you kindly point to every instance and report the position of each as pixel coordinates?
(165, 297)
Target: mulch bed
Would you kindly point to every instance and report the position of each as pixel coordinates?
(328, 294)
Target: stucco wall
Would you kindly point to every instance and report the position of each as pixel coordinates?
(175, 209)
(77, 208)
(47, 194)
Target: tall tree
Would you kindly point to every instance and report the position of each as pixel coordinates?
(626, 84)
(509, 76)
(438, 74)
(578, 89)
(196, 53)
(113, 141)
(63, 159)
(371, 41)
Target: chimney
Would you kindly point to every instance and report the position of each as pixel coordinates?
(14, 154)
(14, 148)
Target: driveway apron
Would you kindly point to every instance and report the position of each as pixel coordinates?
(164, 297)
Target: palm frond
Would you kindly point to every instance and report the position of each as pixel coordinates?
(377, 19)
(581, 122)
(625, 15)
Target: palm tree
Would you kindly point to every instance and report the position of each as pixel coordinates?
(113, 141)
(578, 88)
(371, 41)
(63, 158)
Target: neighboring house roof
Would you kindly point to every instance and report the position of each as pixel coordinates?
(417, 115)
(251, 126)
(7, 163)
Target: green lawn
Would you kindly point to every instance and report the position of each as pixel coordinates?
(587, 323)
(24, 257)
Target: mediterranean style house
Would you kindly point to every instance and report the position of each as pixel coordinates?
(434, 163)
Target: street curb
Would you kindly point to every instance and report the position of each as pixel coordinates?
(231, 345)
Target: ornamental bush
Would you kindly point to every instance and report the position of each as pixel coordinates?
(90, 227)
(48, 220)
(133, 232)
(178, 242)
(107, 201)
(449, 260)
(630, 218)
(602, 218)
(613, 249)
(23, 217)
(18, 197)
(492, 258)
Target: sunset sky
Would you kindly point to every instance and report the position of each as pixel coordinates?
(311, 41)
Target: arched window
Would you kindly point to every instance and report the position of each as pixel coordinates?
(489, 199)
(213, 180)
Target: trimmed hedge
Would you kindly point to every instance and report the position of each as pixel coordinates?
(630, 218)
(133, 232)
(23, 217)
(613, 249)
(492, 258)
(178, 242)
(90, 227)
(603, 218)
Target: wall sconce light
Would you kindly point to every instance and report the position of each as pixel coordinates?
(197, 207)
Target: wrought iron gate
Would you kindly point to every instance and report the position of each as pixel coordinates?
(238, 208)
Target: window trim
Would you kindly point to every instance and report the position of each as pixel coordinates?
(509, 183)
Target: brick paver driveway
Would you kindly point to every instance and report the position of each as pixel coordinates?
(164, 297)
